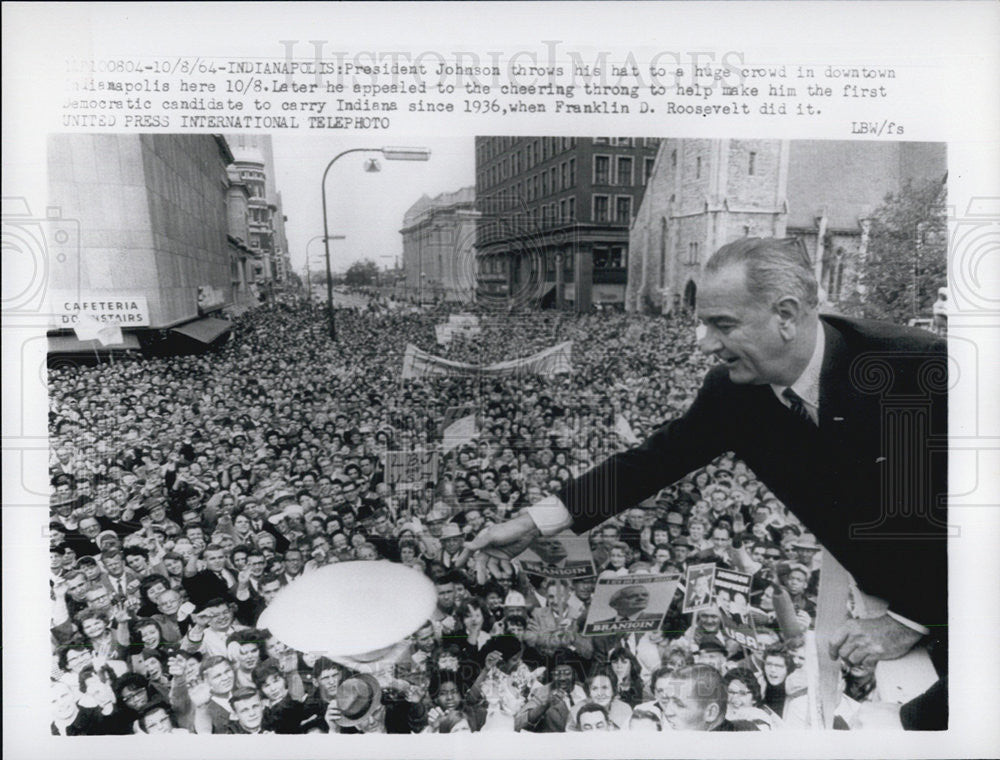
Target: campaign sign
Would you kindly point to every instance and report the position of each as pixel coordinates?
(732, 591)
(410, 466)
(630, 604)
(564, 555)
(698, 587)
(739, 632)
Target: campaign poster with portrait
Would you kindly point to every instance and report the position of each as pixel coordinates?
(732, 591)
(630, 604)
(698, 587)
(564, 555)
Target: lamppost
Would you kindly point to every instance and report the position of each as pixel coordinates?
(390, 154)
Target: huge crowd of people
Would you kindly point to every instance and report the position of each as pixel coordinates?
(188, 491)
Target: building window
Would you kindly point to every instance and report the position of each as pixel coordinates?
(624, 176)
(752, 163)
(562, 210)
(572, 172)
(601, 140)
(545, 184)
(648, 170)
(673, 159)
(553, 179)
(564, 169)
(692, 253)
(600, 210)
(609, 257)
(623, 209)
(571, 208)
(697, 168)
(602, 170)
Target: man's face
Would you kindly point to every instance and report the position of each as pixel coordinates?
(631, 600)
(680, 706)
(99, 598)
(563, 677)
(775, 669)
(446, 597)
(256, 563)
(584, 589)
(796, 582)
(250, 712)
(709, 621)
(135, 697)
(748, 336)
(720, 540)
(270, 590)
(169, 602)
(713, 659)
(220, 617)
(293, 561)
(216, 560)
(593, 721)
(63, 701)
(89, 527)
(329, 680)
(157, 722)
(220, 678)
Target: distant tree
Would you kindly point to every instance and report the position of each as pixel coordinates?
(906, 262)
(364, 272)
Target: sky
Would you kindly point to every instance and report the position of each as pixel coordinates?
(367, 208)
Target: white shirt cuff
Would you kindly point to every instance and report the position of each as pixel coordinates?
(550, 516)
(908, 623)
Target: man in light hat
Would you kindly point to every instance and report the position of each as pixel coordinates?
(452, 541)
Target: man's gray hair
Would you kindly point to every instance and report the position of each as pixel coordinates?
(774, 267)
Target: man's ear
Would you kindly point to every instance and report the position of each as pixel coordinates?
(789, 309)
(712, 712)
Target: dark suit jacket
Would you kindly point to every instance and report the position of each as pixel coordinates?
(870, 481)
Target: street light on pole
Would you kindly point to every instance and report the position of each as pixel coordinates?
(390, 154)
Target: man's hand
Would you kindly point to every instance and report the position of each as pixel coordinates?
(505, 540)
(865, 642)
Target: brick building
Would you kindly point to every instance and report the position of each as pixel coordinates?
(705, 193)
(555, 215)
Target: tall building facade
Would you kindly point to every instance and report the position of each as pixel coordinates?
(254, 164)
(153, 252)
(156, 233)
(439, 233)
(705, 193)
(555, 217)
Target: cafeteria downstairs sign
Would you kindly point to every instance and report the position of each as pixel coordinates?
(125, 310)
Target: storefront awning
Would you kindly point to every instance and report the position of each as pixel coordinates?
(70, 344)
(205, 330)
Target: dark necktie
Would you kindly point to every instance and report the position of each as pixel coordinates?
(797, 405)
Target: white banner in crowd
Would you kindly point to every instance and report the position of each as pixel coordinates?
(551, 361)
(458, 433)
(624, 430)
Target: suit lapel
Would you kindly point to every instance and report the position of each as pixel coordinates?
(840, 403)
